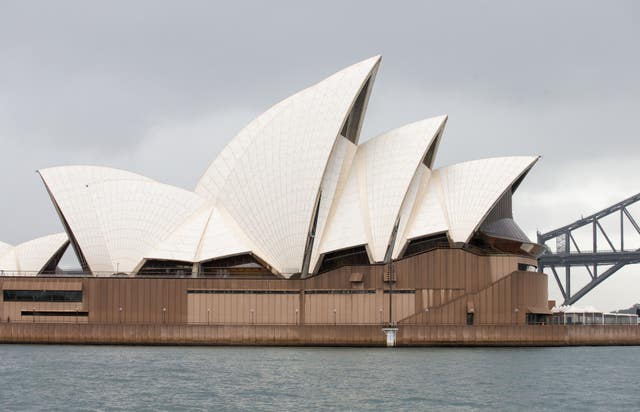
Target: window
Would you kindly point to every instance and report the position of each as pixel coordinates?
(470, 319)
(42, 295)
(53, 313)
(537, 319)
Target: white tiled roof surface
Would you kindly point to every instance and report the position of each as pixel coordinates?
(428, 214)
(471, 189)
(117, 217)
(29, 258)
(69, 186)
(259, 195)
(222, 238)
(381, 174)
(4, 247)
(269, 175)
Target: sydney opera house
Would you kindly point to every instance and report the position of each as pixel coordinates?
(295, 223)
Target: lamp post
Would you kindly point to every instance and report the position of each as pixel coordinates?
(390, 331)
(120, 314)
(208, 316)
(390, 293)
(164, 313)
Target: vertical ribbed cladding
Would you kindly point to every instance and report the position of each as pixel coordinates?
(74, 242)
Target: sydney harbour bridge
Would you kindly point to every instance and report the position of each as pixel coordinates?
(591, 244)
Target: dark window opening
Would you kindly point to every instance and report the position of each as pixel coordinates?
(523, 267)
(53, 313)
(426, 243)
(430, 156)
(241, 292)
(51, 267)
(345, 257)
(479, 242)
(241, 265)
(351, 128)
(470, 319)
(166, 268)
(537, 319)
(341, 292)
(42, 295)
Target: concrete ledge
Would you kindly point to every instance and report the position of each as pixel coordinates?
(317, 335)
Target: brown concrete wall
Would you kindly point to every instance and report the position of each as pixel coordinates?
(320, 335)
(505, 301)
(12, 310)
(433, 279)
(243, 308)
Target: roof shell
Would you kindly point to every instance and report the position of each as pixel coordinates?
(457, 198)
(269, 176)
(380, 177)
(471, 189)
(31, 257)
(117, 217)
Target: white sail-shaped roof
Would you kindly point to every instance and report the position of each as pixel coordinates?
(222, 238)
(116, 217)
(31, 258)
(427, 215)
(268, 177)
(68, 187)
(4, 247)
(293, 185)
(335, 178)
(182, 244)
(381, 175)
(471, 189)
(457, 198)
(208, 234)
(136, 216)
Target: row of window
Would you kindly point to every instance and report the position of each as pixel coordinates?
(296, 292)
(243, 292)
(341, 292)
(42, 295)
(52, 313)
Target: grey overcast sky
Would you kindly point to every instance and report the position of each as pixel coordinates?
(159, 87)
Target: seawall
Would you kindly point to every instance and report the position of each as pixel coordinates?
(317, 335)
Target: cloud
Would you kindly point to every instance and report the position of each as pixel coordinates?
(141, 85)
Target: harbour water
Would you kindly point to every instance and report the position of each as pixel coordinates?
(35, 377)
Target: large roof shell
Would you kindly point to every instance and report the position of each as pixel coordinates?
(471, 189)
(116, 217)
(290, 187)
(381, 175)
(457, 198)
(31, 257)
(268, 177)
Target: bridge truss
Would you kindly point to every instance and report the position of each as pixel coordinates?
(614, 257)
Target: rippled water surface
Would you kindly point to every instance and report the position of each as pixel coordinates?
(36, 377)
